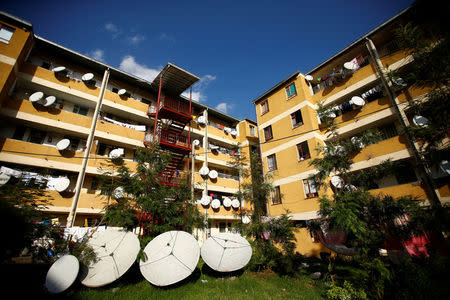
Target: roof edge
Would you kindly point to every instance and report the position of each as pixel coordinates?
(295, 74)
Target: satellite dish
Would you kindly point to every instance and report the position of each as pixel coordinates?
(118, 192)
(59, 69)
(4, 178)
(87, 77)
(205, 200)
(227, 129)
(215, 203)
(226, 252)
(47, 101)
(116, 251)
(350, 188)
(63, 144)
(227, 202)
(35, 97)
(62, 274)
(235, 203)
(246, 219)
(213, 147)
(337, 182)
(196, 143)
(233, 132)
(445, 166)
(357, 141)
(122, 92)
(349, 66)
(204, 171)
(116, 153)
(62, 184)
(309, 78)
(172, 257)
(201, 120)
(420, 121)
(399, 81)
(213, 174)
(358, 101)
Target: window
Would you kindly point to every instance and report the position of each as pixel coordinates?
(6, 33)
(271, 162)
(264, 107)
(46, 65)
(81, 110)
(388, 131)
(252, 130)
(297, 119)
(276, 199)
(19, 133)
(268, 133)
(36, 136)
(73, 142)
(291, 91)
(310, 188)
(222, 226)
(303, 151)
(404, 173)
(115, 90)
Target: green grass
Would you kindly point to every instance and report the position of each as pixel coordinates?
(241, 285)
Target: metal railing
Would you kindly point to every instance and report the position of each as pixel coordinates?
(174, 139)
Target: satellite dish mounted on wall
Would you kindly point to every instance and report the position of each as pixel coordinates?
(205, 200)
(213, 174)
(122, 92)
(87, 77)
(196, 143)
(420, 121)
(62, 184)
(62, 274)
(309, 78)
(235, 203)
(246, 219)
(204, 171)
(358, 101)
(172, 256)
(48, 101)
(227, 202)
(35, 97)
(215, 204)
(63, 144)
(337, 182)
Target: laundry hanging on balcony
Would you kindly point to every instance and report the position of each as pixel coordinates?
(135, 127)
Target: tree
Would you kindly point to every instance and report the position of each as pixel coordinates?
(143, 199)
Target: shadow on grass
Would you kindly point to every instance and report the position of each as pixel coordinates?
(213, 273)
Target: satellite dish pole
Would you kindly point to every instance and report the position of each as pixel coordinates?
(80, 179)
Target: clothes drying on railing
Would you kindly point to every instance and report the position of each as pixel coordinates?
(135, 127)
(373, 94)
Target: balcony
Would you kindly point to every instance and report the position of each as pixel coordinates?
(170, 108)
(170, 140)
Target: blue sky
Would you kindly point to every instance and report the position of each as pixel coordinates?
(239, 49)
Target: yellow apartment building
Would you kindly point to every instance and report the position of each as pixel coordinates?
(349, 86)
(48, 99)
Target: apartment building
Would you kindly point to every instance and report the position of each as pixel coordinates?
(48, 103)
(348, 87)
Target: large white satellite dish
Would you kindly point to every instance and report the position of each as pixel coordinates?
(47, 101)
(205, 200)
(204, 171)
(215, 203)
(171, 257)
(213, 174)
(116, 251)
(227, 202)
(445, 166)
(226, 252)
(337, 181)
(235, 203)
(63, 144)
(87, 77)
(4, 178)
(420, 121)
(358, 101)
(62, 184)
(309, 78)
(122, 92)
(62, 274)
(35, 97)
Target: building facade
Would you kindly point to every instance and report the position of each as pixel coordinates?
(349, 88)
(48, 100)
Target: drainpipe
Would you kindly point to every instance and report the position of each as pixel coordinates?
(421, 163)
(87, 151)
(205, 162)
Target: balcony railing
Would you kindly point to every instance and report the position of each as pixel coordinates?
(171, 104)
(174, 139)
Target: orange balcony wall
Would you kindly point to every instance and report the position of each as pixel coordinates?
(391, 145)
(413, 189)
(222, 182)
(305, 244)
(87, 200)
(221, 211)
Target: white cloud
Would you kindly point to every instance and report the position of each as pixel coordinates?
(136, 39)
(129, 64)
(199, 87)
(166, 37)
(110, 27)
(97, 54)
(224, 107)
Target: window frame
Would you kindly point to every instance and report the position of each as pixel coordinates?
(78, 109)
(274, 166)
(293, 117)
(252, 130)
(264, 107)
(269, 128)
(300, 148)
(307, 183)
(288, 91)
(276, 196)
(8, 29)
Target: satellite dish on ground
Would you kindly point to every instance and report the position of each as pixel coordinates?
(116, 251)
(215, 203)
(35, 97)
(205, 200)
(4, 178)
(63, 144)
(235, 203)
(337, 182)
(59, 69)
(87, 77)
(226, 252)
(49, 100)
(62, 184)
(309, 78)
(196, 143)
(445, 166)
(213, 174)
(116, 153)
(420, 121)
(227, 202)
(172, 257)
(62, 274)
(358, 101)
(204, 171)
(246, 219)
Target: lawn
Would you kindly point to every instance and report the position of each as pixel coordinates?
(206, 284)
